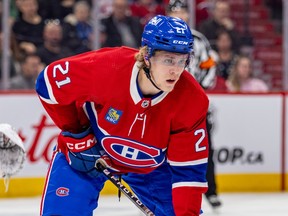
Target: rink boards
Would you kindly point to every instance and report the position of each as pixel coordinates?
(249, 138)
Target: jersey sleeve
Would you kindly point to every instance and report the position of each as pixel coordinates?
(188, 155)
(61, 87)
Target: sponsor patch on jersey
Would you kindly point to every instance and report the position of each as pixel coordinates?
(113, 115)
(62, 191)
(132, 153)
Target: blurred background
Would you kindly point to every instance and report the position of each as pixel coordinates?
(257, 27)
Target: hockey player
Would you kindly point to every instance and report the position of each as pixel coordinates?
(203, 68)
(139, 112)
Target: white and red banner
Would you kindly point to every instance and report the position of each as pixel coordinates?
(39, 134)
(248, 132)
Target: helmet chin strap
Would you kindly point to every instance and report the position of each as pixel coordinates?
(148, 75)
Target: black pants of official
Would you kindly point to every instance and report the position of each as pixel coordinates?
(212, 188)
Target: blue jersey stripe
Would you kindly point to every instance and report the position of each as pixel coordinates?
(195, 173)
(41, 87)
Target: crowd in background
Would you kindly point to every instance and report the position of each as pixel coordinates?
(44, 31)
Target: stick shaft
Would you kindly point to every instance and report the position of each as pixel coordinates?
(124, 190)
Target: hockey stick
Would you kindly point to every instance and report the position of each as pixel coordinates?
(124, 189)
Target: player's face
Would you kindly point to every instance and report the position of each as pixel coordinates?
(244, 68)
(166, 68)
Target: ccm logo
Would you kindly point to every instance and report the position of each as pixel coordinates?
(180, 42)
(81, 146)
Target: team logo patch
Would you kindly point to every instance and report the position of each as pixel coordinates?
(62, 191)
(145, 103)
(132, 153)
(155, 21)
(113, 115)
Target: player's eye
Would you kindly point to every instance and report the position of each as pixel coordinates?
(168, 61)
(182, 63)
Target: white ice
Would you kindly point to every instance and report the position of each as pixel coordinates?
(234, 204)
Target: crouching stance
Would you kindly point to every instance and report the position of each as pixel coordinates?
(139, 111)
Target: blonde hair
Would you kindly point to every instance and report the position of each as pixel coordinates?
(234, 77)
(141, 55)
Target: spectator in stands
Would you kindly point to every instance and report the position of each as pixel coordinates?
(90, 2)
(78, 31)
(12, 14)
(220, 19)
(57, 9)
(45, 9)
(241, 78)
(277, 10)
(120, 28)
(30, 67)
(226, 54)
(276, 7)
(146, 9)
(28, 27)
(105, 8)
(203, 10)
(53, 48)
(62, 8)
(13, 58)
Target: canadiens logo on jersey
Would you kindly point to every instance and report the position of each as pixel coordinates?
(145, 103)
(132, 153)
(62, 191)
(113, 115)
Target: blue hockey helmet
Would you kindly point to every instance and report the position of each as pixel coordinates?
(168, 34)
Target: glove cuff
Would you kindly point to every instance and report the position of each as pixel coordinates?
(77, 135)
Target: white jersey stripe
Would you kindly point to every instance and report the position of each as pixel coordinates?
(95, 115)
(133, 83)
(188, 163)
(49, 88)
(189, 184)
(48, 101)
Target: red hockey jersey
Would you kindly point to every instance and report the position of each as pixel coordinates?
(100, 88)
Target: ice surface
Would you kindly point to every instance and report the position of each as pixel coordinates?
(234, 204)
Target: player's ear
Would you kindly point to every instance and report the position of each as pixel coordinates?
(146, 60)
